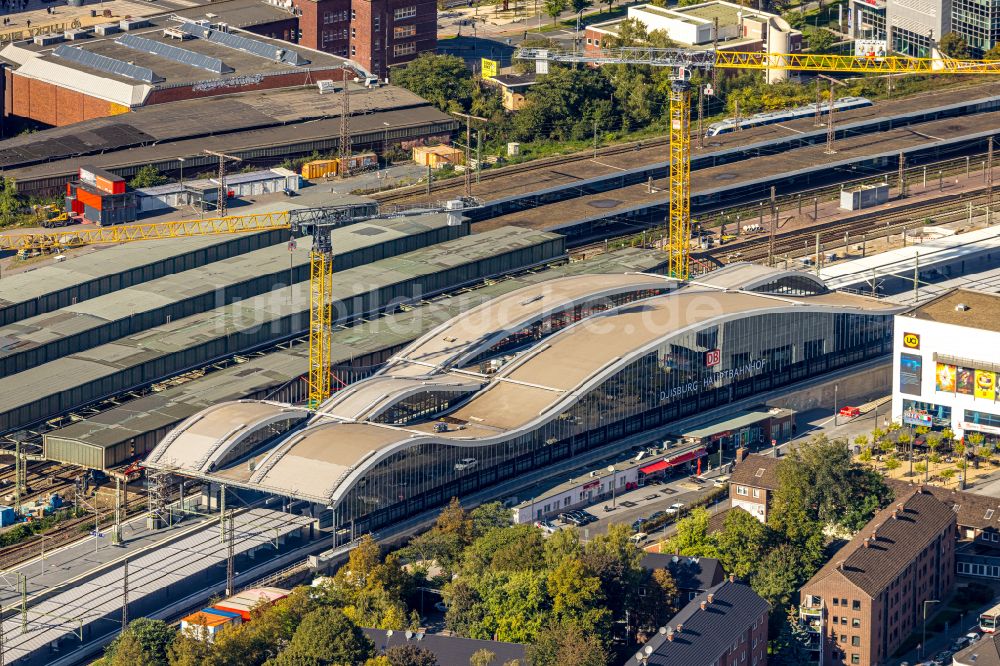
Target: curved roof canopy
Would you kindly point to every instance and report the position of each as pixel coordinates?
(330, 452)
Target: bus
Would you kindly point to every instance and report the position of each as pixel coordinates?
(990, 620)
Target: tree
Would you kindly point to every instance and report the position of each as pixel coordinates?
(579, 5)
(482, 658)
(691, 537)
(577, 597)
(553, 8)
(954, 45)
(444, 80)
(659, 603)
(892, 463)
(9, 204)
(489, 516)
(741, 543)
(409, 654)
(993, 53)
(128, 652)
(821, 40)
(515, 548)
(147, 176)
(152, 637)
(186, 650)
(562, 645)
(791, 648)
(515, 606)
(326, 636)
(779, 574)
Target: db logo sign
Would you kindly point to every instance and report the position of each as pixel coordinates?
(713, 358)
(911, 340)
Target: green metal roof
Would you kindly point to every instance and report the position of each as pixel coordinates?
(174, 404)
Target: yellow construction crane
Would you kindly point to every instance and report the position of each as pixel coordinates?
(319, 222)
(683, 61)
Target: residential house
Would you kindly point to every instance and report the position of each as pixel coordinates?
(753, 483)
(693, 575)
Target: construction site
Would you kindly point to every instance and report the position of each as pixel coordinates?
(230, 399)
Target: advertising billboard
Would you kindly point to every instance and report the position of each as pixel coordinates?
(910, 373)
(985, 382)
(869, 48)
(945, 377)
(965, 381)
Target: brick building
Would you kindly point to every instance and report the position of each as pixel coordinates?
(753, 483)
(724, 626)
(869, 597)
(376, 34)
(153, 61)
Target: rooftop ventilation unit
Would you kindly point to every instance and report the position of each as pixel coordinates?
(107, 29)
(48, 40)
(174, 53)
(326, 86)
(106, 64)
(132, 24)
(245, 44)
(79, 33)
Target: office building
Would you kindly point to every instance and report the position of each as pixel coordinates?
(946, 356)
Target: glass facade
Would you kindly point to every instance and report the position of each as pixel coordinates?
(911, 43)
(978, 21)
(667, 383)
(870, 22)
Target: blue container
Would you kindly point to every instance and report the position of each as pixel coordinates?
(55, 501)
(7, 516)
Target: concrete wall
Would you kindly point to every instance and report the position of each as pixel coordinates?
(857, 388)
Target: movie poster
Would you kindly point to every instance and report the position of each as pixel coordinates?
(985, 382)
(945, 377)
(910, 370)
(965, 380)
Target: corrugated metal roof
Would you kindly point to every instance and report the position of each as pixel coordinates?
(41, 381)
(158, 410)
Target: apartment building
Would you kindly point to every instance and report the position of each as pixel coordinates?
(724, 626)
(869, 598)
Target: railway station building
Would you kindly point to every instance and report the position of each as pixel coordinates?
(527, 381)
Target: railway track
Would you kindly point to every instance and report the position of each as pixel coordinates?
(410, 191)
(803, 242)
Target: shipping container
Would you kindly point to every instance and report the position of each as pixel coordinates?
(363, 161)
(242, 608)
(207, 624)
(91, 215)
(102, 180)
(7, 516)
(92, 199)
(319, 168)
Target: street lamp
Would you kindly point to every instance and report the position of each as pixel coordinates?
(614, 483)
(181, 160)
(836, 388)
(924, 641)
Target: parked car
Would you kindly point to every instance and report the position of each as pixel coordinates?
(441, 606)
(720, 481)
(638, 525)
(585, 518)
(656, 516)
(674, 508)
(465, 464)
(638, 537)
(546, 526)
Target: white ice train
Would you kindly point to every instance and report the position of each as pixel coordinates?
(770, 117)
